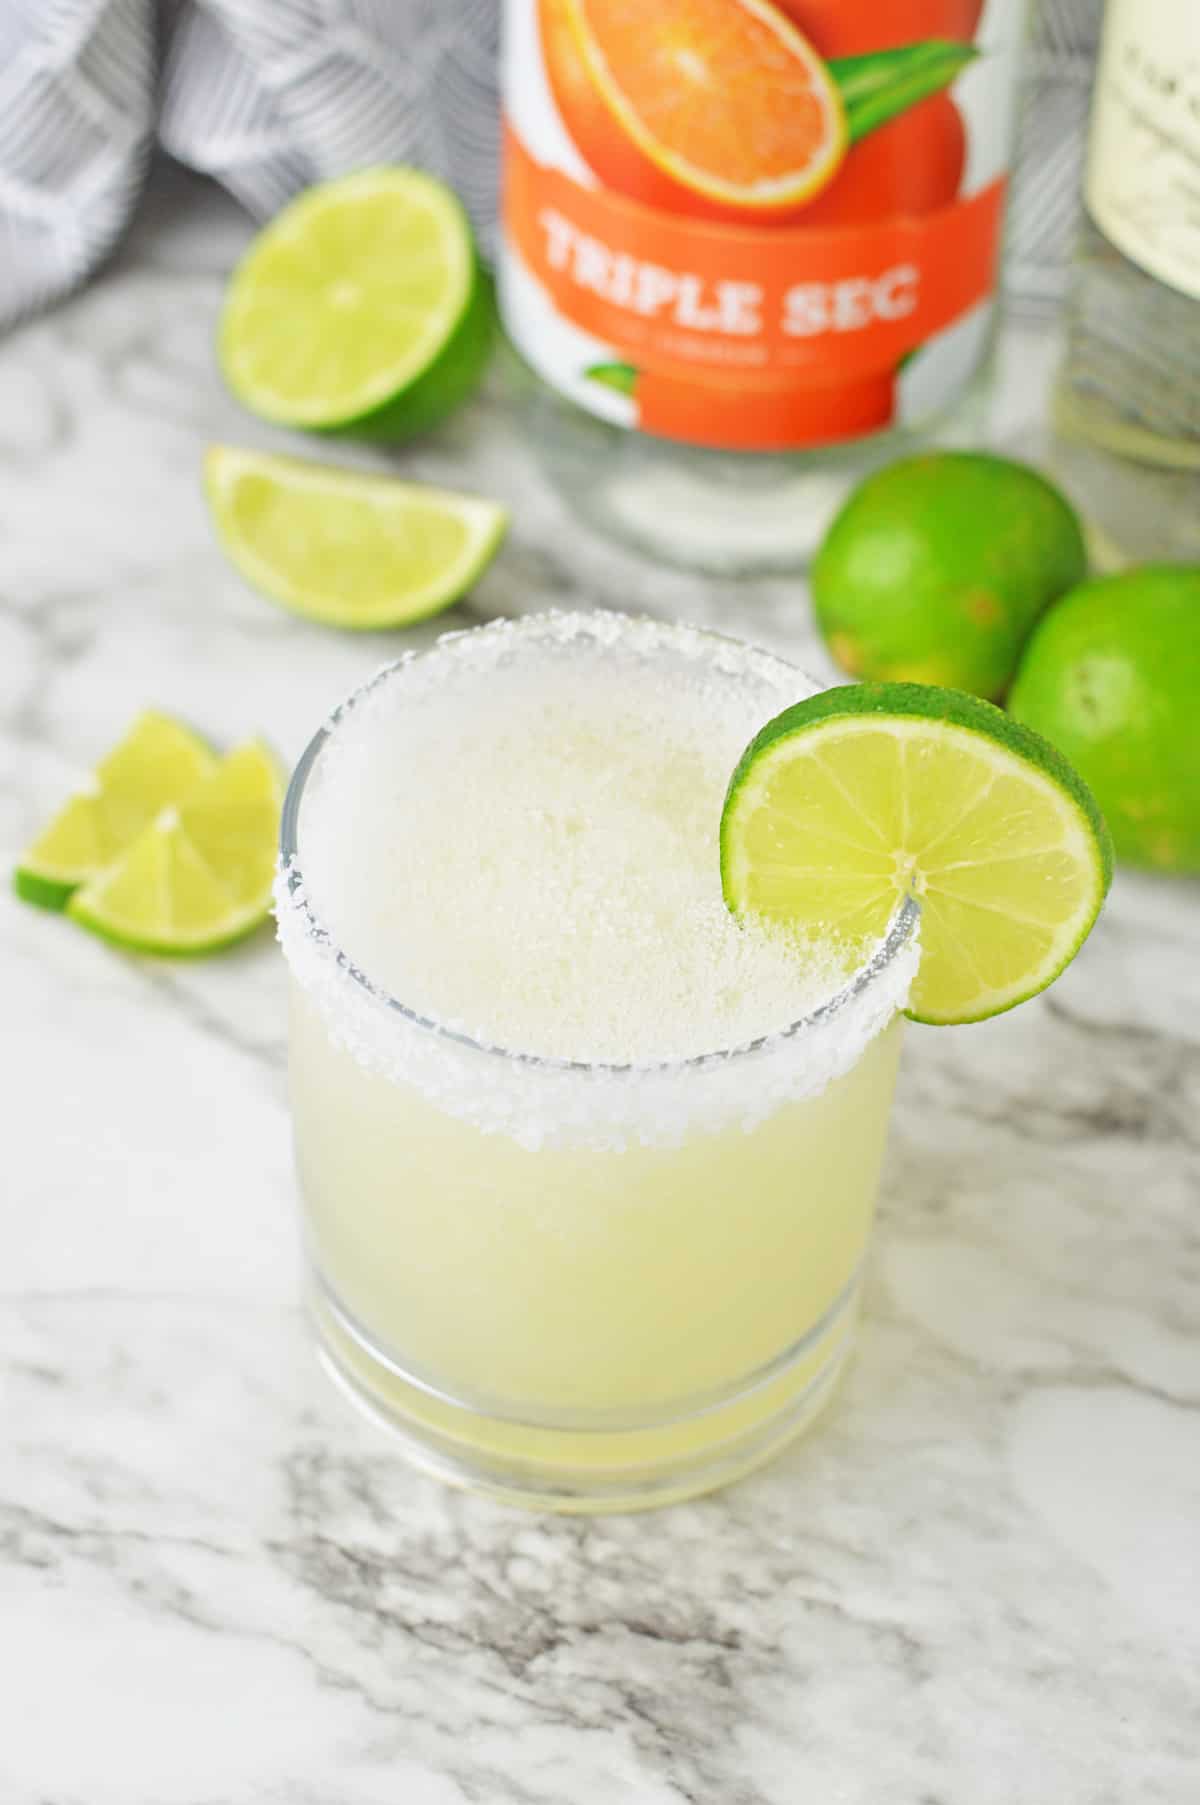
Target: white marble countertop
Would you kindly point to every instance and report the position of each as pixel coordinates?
(978, 1582)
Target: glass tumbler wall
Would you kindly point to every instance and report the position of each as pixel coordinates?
(581, 1283)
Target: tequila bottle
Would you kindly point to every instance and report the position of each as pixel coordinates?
(1127, 404)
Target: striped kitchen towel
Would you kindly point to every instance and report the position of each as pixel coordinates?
(269, 95)
(265, 95)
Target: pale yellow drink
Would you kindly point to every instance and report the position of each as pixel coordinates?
(621, 1266)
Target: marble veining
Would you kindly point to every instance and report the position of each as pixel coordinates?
(977, 1584)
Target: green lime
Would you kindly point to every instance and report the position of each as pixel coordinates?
(200, 875)
(361, 308)
(344, 548)
(937, 567)
(158, 762)
(853, 799)
(1112, 676)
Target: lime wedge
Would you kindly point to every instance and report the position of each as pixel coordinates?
(361, 307)
(853, 799)
(158, 762)
(344, 548)
(200, 875)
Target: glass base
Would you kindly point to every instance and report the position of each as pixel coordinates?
(588, 1464)
(728, 513)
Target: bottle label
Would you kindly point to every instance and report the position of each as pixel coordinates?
(755, 224)
(1143, 170)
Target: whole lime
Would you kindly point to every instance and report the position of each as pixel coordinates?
(937, 567)
(1112, 677)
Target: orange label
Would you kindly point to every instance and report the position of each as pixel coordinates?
(676, 293)
(751, 271)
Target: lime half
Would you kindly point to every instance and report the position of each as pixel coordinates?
(361, 307)
(344, 548)
(860, 796)
(200, 875)
(158, 762)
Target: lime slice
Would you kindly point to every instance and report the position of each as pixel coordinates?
(158, 762)
(200, 875)
(853, 799)
(361, 307)
(344, 548)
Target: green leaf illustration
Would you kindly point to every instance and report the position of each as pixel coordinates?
(879, 86)
(622, 377)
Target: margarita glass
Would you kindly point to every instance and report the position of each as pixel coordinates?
(587, 1167)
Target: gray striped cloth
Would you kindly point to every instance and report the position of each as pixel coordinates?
(269, 95)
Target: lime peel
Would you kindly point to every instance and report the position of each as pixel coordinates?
(855, 797)
(361, 308)
(200, 875)
(157, 762)
(344, 547)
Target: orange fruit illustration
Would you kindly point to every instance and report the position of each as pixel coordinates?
(912, 165)
(841, 28)
(719, 108)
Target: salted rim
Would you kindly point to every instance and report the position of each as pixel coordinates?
(602, 627)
